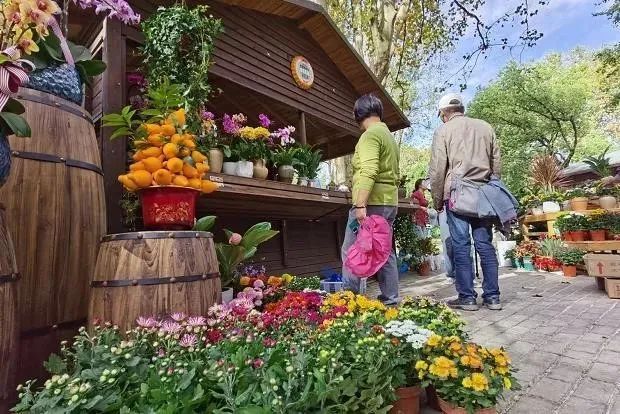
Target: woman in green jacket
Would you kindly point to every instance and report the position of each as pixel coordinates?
(375, 189)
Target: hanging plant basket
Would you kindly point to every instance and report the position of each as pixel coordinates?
(168, 208)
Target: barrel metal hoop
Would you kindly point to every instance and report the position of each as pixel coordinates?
(12, 277)
(54, 101)
(38, 156)
(188, 234)
(75, 324)
(153, 281)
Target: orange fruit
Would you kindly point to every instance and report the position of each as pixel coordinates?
(184, 152)
(202, 167)
(152, 164)
(162, 177)
(137, 166)
(141, 178)
(156, 140)
(175, 165)
(127, 183)
(180, 180)
(189, 171)
(152, 129)
(178, 117)
(195, 183)
(189, 143)
(171, 150)
(168, 130)
(176, 139)
(139, 155)
(151, 152)
(198, 156)
(208, 186)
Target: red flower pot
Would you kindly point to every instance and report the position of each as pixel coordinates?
(569, 271)
(448, 408)
(579, 235)
(424, 269)
(408, 401)
(168, 208)
(597, 235)
(567, 236)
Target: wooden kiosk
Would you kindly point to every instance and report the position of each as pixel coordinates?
(252, 67)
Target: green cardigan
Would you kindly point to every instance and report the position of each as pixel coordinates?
(375, 166)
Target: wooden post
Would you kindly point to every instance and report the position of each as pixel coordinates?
(302, 128)
(284, 243)
(113, 153)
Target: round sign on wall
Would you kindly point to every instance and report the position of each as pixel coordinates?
(302, 72)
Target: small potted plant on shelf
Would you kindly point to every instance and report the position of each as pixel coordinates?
(285, 158)
(607, 196)
(572, 226)
(598, 223)
(613, 226)
(427, 249)
(246, 151)
(570, 258)
(467, 377)
(308, 163)
(211, 143)
(579, 198)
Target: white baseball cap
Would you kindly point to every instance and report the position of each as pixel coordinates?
(450, 100)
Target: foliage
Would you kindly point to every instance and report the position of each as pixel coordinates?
(308, 162)
(466, 374)
(613, 223)
(571, 222)
(570, 257)
(130, 204)
(434, 315)
(407, 242)
(598, 220)
(550, 246)
(300, 283)
(510, 254)
(286, 156)
(600, 164)
(178, 46)
(527, 248)
(233, 252)
(547, 107)
(577, 192)
(413, 164)
(546, 173)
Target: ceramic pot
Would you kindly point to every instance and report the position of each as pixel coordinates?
(538, 211)
(229, 168)
(579, 204)
(408, 401)
(448, 408)
(245, 169)
(286, 173)
(528, 264)
(227, 295)
(579, 235)
(569, 271)
(550, 207)
(598, 235)
(260, 170)
(425, 268)
(608, 202)
(567, 236)
(216, 160)
(566, 205)
(303, 181)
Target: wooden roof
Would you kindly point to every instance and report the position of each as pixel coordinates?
(315, 20)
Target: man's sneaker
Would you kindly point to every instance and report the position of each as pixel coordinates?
(381, 297)
(492, 303)
(464, 304)
(391, 301)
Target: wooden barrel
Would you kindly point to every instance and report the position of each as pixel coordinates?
(9, 333)
(154, 273)
(56, 215)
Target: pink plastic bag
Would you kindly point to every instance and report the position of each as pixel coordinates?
(372, 247)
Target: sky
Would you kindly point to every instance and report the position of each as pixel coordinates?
(566, 25)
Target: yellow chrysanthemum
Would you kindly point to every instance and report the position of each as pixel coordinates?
(467, 382)
(471, 361)
(479, 382)
(391, 313)
(502, 370)
(507, 383)
(433, 341)
(442, 367)
(495, 351)
(421, 366)
(501, 360)
(455, 347)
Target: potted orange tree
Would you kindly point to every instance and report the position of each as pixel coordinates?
(468, 378)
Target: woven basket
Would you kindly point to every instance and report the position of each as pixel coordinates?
(60, 80)
(5, 159)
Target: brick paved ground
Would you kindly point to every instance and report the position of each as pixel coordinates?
(562, 334)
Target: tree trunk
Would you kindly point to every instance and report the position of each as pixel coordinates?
(341, 170)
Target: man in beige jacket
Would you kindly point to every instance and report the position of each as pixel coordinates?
(466, 148)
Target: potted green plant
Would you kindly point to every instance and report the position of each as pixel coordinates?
(572, 226)
(229, 166)
(510, 255)
(308, 162)
(578, 199)
(246, 151)
(613, 226)
(285, 158)
(598, 222)
(570, 258)
(527, 251)
(427, 248)
(607, 196)
(260, 153)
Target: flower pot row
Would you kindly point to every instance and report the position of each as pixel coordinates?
(586, 235)
(547, 264)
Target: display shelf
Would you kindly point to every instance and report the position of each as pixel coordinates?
(597, 246)
(549, 220)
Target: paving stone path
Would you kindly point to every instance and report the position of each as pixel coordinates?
(562, 334)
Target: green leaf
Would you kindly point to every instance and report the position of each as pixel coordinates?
(187, 378)
(55, 365)
(14, 106)
(205, 223)
(92, 67)
(121, 132)
(79, 52)
(253, 409)
(16, 124)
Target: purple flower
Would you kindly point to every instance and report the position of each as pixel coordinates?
(196, 321)
(259, 284)
(229, 126)
(178, 316)
(208, 116)
(264, 120)
(188, 341)
(161, 353)
(149, 322)
(284, 135)
(170, 327)
(115, 8)
(258, 363)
